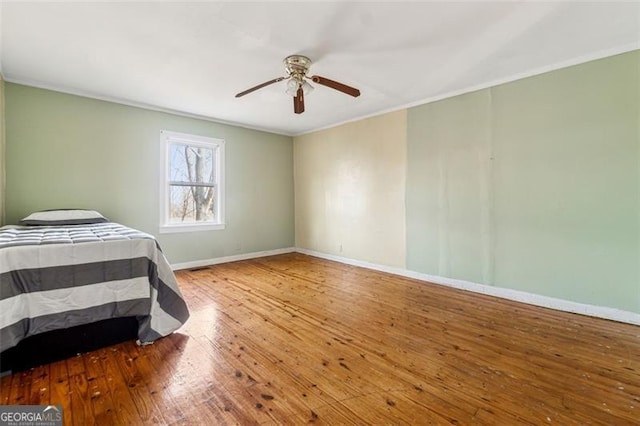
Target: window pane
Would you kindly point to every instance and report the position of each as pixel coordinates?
(191, 164)
(191, 203)
(192, 190)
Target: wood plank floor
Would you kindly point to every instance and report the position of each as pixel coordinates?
(293, 339)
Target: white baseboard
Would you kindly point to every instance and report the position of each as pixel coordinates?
(233, 258)
(504, 293)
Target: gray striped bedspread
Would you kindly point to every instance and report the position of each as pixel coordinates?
(62, 276)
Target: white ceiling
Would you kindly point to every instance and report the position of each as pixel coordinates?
(193, 57)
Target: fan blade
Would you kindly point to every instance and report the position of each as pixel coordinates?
(336, 85)
(260, 86)
(298, 102)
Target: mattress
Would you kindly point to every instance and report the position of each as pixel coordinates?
(54, 277)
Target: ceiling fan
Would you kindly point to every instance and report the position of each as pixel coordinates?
(297, 67)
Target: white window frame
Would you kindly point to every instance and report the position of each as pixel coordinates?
(166, 139)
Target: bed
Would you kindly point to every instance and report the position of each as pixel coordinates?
(63, 273)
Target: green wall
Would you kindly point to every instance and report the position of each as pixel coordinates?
(70, 151)
(2, 152)
(532, 185)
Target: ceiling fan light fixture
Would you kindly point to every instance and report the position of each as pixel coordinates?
(293, 84)
(292, 87)
(307, 88)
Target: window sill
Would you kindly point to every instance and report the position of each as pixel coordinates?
(190, 227)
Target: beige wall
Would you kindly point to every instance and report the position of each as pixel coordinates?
(350, 190)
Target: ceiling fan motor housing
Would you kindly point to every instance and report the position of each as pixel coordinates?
(297, 66)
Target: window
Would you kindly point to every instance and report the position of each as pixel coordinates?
(192, 183)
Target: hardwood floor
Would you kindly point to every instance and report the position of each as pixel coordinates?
(293, 339)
